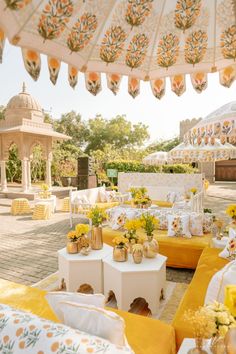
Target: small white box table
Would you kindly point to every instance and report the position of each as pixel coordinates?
(76, 269)
(51, 200)
(129, 281)
(189, 343)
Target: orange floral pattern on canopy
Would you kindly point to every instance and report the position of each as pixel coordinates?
(72, 76)
(32, 62)
(113, 82)
(158, 87)
(55, 16)
(178, 84)
(133, 86)
(186, 13)
(137, 50)
(17, 4)
(228, 43)
(112, 44)
(195, 47)
(199, 81)
(93, 82)
(227, 76)
(54, 68)
(137, 11)
(168, 50)
(82, 32)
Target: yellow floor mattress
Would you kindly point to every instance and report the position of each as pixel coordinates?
(145, 335)
(181, 252)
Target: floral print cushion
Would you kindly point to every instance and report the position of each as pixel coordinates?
(178, 225)
(229, 252)
(118, 216)
(207, 222)
(196, 224)
(24, 333)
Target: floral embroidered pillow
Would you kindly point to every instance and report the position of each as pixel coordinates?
(23, 332)
(207, 222)
(229, 252)
(196, 224)
(178, 225)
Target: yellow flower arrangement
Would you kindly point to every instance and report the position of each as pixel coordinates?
(231, 211)
(72, 236)
(142, 239)
(44, 187)
(97, 215)
(81, 229)
(137, 192)
(193, 190)
(132, 224)
(149, 223)
(120, 241)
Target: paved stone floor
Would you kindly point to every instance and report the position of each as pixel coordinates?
(28, 248)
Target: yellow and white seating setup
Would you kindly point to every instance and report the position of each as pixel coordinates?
(42, 211)
(20, 206)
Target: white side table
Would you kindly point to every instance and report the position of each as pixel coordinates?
(220, 243)
(76, 270)
(129, 281)
(189, 343)
(51, 200)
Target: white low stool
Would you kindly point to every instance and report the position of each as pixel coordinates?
(219, 243)
(52, 200)
(76, 269)
(129, 281)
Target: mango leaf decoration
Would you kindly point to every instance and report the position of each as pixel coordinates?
(228, 43)
(195, 47)
(186, 13)
(82, 32)
(168, 50)
(137, 11)
(137, 50)
(17, 4)
(55, 16)
(112, 44)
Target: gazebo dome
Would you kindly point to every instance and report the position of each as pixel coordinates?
(23, 101)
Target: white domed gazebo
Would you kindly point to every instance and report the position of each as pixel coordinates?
(24, 126)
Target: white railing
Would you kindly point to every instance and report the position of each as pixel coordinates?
(196, 202)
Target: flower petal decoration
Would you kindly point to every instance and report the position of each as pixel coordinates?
(227, 75)
(93, 82)
(72, 76)
(54, 66)
(178, 85)
(112, 44)
(136, 51)
(199, 81)
(186, 13)
(137, 11)
(158, 87)
(32, 62)
(168, 50)
(2, 42)
(113, 82)
(133, 86)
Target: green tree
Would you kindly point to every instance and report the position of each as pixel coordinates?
(2, 112)
(165, 145)
(13, 165)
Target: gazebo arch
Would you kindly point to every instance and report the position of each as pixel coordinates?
(24, 125)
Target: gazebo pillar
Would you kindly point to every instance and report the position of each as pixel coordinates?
(29, 174)
(48, 173)
(24, 179)
(3, 176)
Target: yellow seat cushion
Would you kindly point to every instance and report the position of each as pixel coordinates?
(145, 335)
(181, 252)
(209, 263)
(106, 206)
(160, 203)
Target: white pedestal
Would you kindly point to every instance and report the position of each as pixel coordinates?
(189, 343)
(129, 281)
(77, 269)
(51, 200)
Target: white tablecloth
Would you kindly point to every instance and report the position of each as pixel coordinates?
(52, 200)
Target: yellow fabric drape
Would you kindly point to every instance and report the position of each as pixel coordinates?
(181, 252)
(208, 265)
(145, 335)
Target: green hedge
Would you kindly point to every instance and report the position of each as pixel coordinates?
(132, 166)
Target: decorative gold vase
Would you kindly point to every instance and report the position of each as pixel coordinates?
(72, 247)
(120, 254)
(96, 238)
(150, 247)
(137, 256)
(217, 345)
(84, 251)
(198, 348)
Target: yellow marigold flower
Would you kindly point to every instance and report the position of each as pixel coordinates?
(231, 210)
(81, 229)
(132, 224)
(120, 241)
(72, 235)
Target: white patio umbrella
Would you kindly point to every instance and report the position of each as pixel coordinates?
(212, 151)
(143, 39)
(156, 158)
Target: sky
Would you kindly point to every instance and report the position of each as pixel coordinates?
(161, 116)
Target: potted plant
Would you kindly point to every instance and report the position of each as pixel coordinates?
(149, 223)
(137, 253)
(44, 194)
(97, 217)
(83, 241)
(120, 250)
(131, 226)
(72, 246)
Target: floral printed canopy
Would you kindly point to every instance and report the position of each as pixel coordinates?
(144, 39)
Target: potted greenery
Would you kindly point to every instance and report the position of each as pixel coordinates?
(149, 223)
(120, 250)
(97, 216)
